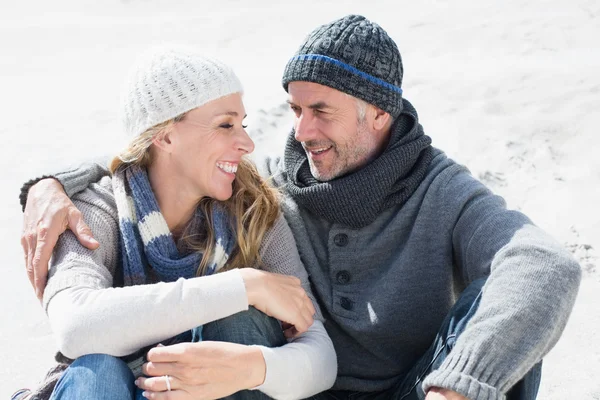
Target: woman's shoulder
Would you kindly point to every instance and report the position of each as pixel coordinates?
(97, 198)
(278, 251)
(279, 232)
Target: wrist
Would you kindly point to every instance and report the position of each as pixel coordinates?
(257, 367)
(251, 278)
(437, 393)
(45, 180)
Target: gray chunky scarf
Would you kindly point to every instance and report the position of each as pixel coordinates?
(356, 199)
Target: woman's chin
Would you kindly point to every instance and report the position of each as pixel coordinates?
(223, 194)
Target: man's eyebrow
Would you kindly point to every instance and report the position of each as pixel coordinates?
(319, 105)
(315, 106)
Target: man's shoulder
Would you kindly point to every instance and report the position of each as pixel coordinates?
(444, 172)
(447, 185)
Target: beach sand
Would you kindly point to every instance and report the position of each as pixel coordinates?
(511, 89)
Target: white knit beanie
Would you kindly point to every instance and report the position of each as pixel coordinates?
(167, 81)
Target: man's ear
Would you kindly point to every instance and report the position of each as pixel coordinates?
(381, 119)
(162, 140)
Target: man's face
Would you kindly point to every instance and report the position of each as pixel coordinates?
(336, 140)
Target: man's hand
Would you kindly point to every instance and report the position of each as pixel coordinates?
(281, 297)
(204, 370)
(443, 394)
(48, 213)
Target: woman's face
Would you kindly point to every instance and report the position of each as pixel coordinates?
(207, 146)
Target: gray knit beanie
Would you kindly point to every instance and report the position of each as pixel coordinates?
(352, 55)
(167, 81)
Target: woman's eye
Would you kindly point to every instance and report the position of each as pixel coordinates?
(244, 126)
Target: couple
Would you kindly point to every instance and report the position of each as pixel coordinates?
(419, 283)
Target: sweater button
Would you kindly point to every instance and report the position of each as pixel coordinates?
(341, 239)
(343, 277)
(346, 303)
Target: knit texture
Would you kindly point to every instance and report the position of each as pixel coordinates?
(352, 55)
(385, 288)
(356, 199)
(168, 81)
(405, 270)
(147, 243)
(114, 325)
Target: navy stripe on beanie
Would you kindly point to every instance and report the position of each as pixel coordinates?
(349, 68)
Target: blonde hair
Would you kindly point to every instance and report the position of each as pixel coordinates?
(253, 208)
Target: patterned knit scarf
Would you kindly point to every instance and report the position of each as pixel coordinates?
(146, 242)
(356, 199)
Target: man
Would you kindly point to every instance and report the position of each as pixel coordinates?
(430, 287)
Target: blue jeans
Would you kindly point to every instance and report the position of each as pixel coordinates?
(104, 377)
(409, 387)
(254, 327)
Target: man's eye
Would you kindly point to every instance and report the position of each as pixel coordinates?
(226, 126)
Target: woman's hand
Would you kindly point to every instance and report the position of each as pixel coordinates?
(201, 371)
(281, 297)
(48, 213)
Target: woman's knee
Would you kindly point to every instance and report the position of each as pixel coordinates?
(103, 365)
(251, 327)
(94, 376)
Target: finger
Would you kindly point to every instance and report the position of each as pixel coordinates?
(172, 395)
(308, 319)
(154, 369)
(303, 325)
(304, 319)
(41, 258)
(30, 249)
(171, 353)
(25, 245)
(310, 312)
(299, 323)
(290, 332)
(311, 306)
(158, 383)
(81, 229)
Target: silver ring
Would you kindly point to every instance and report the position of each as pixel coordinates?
(168, 381)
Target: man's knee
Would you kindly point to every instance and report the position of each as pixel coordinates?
(251, 327)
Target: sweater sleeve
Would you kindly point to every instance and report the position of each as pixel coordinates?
(88, 315)
(525, 303)
(73, 180)
(307, 365)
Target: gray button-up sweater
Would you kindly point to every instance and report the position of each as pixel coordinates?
(386, 288)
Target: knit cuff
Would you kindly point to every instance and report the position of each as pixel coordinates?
(273, 377)
(462, 383)
(73, 181)
(27, 185)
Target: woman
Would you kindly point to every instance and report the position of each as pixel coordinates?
(181, 218)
